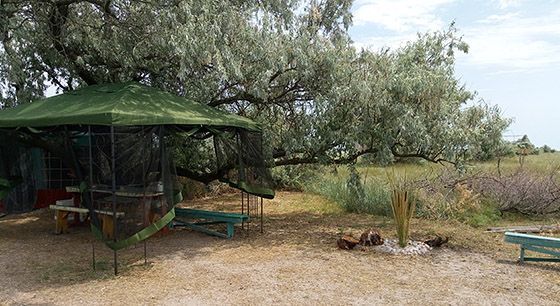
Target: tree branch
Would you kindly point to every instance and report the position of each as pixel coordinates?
(434, 159)
(313, 159)
(242, 96)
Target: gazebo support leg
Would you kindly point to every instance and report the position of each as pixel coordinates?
(242, 209)
(145, 253)
(114, 191)
(93, 253)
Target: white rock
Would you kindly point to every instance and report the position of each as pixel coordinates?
(391, 246)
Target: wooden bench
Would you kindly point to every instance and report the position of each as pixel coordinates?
(539, 244)
(213, 217)
(62, 213)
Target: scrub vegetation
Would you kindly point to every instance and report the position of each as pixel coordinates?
(481, 196)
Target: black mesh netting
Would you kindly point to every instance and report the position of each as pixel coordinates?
(129, 176)
(19, 167)
(242, 154)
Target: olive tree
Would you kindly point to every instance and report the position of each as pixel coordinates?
(289, 65)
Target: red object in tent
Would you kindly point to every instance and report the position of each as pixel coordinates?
(46, 197)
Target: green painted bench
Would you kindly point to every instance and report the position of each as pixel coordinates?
(539, 244)
(213, 217)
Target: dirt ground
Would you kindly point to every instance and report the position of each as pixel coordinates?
(294, 262)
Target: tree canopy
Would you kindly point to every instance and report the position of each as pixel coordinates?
(289, 65)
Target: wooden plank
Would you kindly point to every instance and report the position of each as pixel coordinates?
(212, 215)
(210, 222)
(527, 236)
(524, 229)
(541, 250)
(203, 229)
(539, 244)
(120, 193)
(108, 227)
(84, 210)
(543, 259)
(549, 242)
(69, 208)
(216, 217)
(196, 213)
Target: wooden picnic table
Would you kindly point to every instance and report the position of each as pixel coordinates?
(62, 213)
(129, 192)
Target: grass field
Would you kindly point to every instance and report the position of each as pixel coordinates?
(538, 163)
(438, 194)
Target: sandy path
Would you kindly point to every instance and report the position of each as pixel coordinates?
(191, 268)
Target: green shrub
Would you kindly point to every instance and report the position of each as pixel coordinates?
(547, 149)
(352, 195)
(434, 205)
(460, 203)
(293, 177)
(486, 215)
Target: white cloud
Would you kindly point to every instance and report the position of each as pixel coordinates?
(400, 15)
(504, 4)
(399, 20)
(492, 19)
(515, 43)
(504, 42)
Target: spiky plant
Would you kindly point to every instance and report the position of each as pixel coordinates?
(403, 207)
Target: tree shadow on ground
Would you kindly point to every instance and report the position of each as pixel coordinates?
(36, 259)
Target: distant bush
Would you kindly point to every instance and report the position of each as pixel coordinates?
(449, 196)
(489, 151)
(352, 195)
(547, 149)
(293, 177)
(484, 216)
(448, 202)
(523, 191)
(446, 196)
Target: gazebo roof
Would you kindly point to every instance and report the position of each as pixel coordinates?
(124, 104)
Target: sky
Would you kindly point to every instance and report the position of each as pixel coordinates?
(513, 59)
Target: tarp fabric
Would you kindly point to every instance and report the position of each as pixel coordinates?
(122, 104)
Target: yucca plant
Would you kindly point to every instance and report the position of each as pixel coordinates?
(403, 207)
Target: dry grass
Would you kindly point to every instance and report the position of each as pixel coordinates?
(294, 262)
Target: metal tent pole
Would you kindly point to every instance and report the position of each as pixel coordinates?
(93, 254)
(145, 217)
(242, 208)
(74, 160)
(114, 193)
(145, 253)
(91, 209)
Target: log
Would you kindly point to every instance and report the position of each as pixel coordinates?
(346, 242)
(371, 237)
(524, 229)
(437, 242)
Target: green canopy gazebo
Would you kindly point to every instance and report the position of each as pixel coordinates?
(117, 140)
